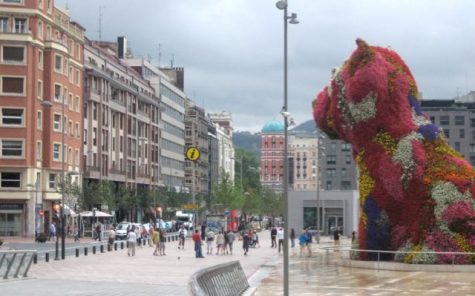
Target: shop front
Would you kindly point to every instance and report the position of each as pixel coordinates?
(12, 219)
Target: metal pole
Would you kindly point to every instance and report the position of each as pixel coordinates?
(63, 249)
(193, 193)
(317, 237)
(286, 167)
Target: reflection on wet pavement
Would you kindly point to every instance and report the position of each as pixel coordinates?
(320, 276)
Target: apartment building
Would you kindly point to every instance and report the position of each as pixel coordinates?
(121, 121)
(41, 83)
(303, 161)
(456, 117)
(196, 135)
(172, 106)
(224, 133)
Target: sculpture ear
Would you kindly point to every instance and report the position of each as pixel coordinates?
(361, 56)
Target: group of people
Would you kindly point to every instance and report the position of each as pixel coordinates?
(155, 237)
(224, 241)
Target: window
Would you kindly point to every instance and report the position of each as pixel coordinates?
(77, 77)
(20, 25)
(461, 133)
(78, 52)
(331, 173)
(76, 104)
(457, 146)
(13, 1)
(39, 120)
(447, 133)
(39, 150)
(48, 32)
(348, 159)
(70, 101)
(56, 151)
(13, 85)
(3, 24)
(345, 185)
(57, 122)
(40, 59)
(12, 148)
(70, 128)
(459, 120)
(343, 172)
(331, 159)
(58, 63)
(39, 90)
(52, 181)
(345, 147)
(40, 29)
(329, 185)
(444, 120)
(76, 128)
(57, 92)
(76, 157)
(12, 117)
(13, 54)
(70, 155)
(11, 179)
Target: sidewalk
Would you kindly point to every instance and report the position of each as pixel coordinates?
(115, 273)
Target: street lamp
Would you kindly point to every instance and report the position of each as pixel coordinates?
(292, 19)
(35, 187)
(320, 153)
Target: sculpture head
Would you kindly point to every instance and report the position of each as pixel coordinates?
(373, 90)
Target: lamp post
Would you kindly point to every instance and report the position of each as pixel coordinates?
(318, 179)
(292, 19)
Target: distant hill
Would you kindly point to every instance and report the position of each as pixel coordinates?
(248, 141)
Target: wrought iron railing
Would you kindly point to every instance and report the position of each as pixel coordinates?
(15, 264)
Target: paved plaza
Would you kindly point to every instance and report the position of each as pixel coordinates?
(114, 273)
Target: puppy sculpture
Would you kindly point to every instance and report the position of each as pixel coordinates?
(416, 192)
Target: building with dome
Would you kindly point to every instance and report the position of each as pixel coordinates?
(272, 149)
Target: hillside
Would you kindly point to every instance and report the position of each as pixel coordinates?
(248, 141)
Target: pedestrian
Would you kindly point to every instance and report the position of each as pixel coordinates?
(197, 239)
(336, 237)
(111, 236)
(131, 242)
(219, 242)
(203, 231)
(353, 237)
(52, 231)
(292, 238)
(245, 242)
(303, 242)
(150, 236)
(144, 236)
(280, 238)
(255, 240)
(231, 238)
(156, 241)
(163, 240)
(226, 242)
(209, 242)
(273, 234)
(98, 232)
(138, 234)
(181, 237)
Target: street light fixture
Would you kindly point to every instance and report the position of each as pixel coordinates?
(292, 19)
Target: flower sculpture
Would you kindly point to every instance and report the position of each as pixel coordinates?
(416, 192)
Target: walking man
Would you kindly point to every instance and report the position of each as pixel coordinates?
(52, 231)
(181, 237)
(280, 238)
(131, 242)
(231, 238)
(273, 234)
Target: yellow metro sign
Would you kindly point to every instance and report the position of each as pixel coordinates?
(193, 154)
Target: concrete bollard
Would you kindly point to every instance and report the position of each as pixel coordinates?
(77, 252)
(93, 250)
(168, 239)
(115, 246)
(46, 257)
(35, 258)
(85, 251)
(102, 248)
(109, 248)
(121, 245)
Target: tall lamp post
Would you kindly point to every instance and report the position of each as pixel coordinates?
(292, 19)
(320, 153)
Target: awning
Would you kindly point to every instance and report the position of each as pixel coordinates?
(98, 214)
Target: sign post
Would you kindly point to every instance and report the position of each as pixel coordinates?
(193, 154)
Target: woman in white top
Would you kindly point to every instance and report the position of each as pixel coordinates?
(131, 242)
(220, 242)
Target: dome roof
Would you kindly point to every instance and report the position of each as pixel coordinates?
(273, 126)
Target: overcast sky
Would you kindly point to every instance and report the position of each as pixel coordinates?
(232, 50)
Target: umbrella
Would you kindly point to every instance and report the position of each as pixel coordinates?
(98, 214)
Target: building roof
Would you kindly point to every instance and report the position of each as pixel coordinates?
(273, 126)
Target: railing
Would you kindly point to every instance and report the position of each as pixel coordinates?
(407, 260)
(15, 263)
(220, 280)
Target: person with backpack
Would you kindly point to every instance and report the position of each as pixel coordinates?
(209, 242)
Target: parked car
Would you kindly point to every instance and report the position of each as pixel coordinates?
(122, 227)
